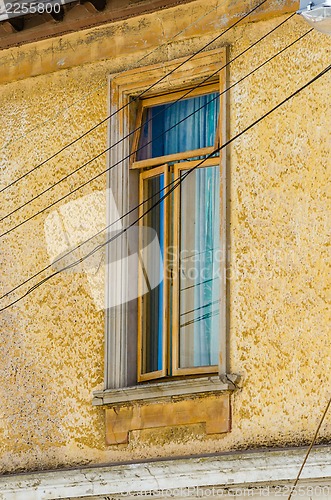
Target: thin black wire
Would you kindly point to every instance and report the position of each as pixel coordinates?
(154, 195)
(198, 284)
(216, 150)
(200, 307)
(138, 128)
(87, 94)
(93, 251)
(309, 449)
(208, 315)
(135, 98)
(103, 152)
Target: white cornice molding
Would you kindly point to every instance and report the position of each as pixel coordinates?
(258, 470)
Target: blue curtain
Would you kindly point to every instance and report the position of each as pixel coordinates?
(199, 268)
(207, 295)
(154, 299)
(162, 136)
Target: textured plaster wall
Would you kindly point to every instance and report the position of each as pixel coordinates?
(278, 173)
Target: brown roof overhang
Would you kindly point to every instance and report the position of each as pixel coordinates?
(73, 16)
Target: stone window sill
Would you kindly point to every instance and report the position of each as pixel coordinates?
(153, 392)
(203, 400)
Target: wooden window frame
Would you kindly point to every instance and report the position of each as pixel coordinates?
(164, 99)
(142, 376)
(173, 356)
(176, 370)
(122, 323)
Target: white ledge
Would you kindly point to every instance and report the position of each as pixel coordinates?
(260, 471)
(162, 390)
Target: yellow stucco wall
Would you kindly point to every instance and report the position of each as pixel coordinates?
(52, 341)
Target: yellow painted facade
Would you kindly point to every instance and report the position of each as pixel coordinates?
(52, 341)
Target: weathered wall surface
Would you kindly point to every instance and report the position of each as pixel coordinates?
(52, 341)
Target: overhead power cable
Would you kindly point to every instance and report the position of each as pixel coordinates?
(103, 84)
(148, 199)
(147, 121)
(215, 151)
(136, 129)
(136, 97)
(89, 239)
(309, 449)
(90, 180)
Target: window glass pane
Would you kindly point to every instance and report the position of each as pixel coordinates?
(199, 268)
(166, 130)
(153, 301)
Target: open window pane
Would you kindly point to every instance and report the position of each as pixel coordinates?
(153, 302)
(183, 126)
(199, 277)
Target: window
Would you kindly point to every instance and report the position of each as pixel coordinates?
(166, 350)
(177, 328)
(179, 320)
